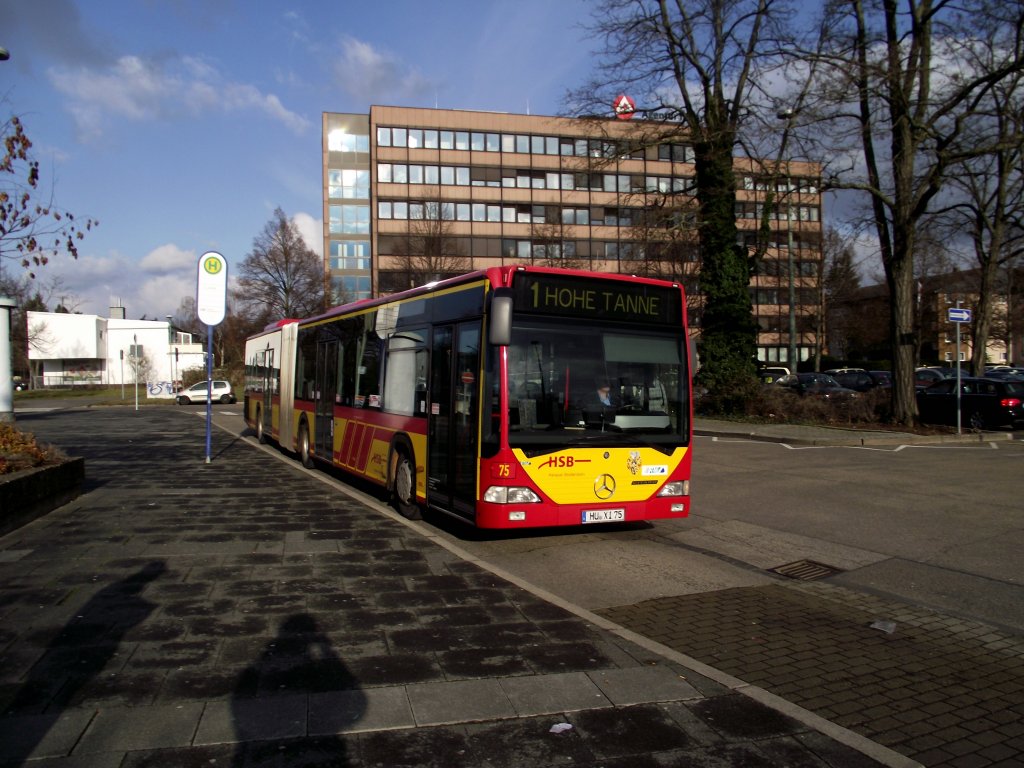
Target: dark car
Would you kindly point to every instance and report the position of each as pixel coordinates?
(1005, 374)
(926, 377)
(816, 385)
(860, 380)
(881, 378)
(984, 403)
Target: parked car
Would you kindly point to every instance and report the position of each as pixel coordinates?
(198, 393)
(771, 374)
(1004, 374)
(926, 377)
(861, 380)
(816, 385)
(984, 403)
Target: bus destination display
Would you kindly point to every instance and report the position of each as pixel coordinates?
(581, 297)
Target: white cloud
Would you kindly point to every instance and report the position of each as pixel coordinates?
(168, 258)
(139, 89)
(312, 231)
(152, 286)
(377, 77)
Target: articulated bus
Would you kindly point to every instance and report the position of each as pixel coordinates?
(510, 397)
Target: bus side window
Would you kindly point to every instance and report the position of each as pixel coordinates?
(405, 373)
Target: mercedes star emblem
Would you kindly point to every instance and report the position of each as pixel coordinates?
(604, 487)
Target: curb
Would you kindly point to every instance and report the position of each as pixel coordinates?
(32, 493)
(853, 441)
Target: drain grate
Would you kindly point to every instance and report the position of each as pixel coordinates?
(806, 570)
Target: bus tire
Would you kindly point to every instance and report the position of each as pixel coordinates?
(404, 485)
(261, 436)
(305, 455)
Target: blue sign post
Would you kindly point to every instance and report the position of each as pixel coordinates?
(211, 304)
(958, 315)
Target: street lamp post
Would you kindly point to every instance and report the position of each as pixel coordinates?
(792, 274)
(787, 115)
(6, 379)
(170, 349)
(6, 305)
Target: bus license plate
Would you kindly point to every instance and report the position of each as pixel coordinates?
(604, 515)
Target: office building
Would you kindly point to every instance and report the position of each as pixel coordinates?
(413, 195)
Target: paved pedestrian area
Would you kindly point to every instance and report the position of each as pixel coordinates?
(944, 691)
(241, 612)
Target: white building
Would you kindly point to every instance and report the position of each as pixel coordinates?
(73, 350)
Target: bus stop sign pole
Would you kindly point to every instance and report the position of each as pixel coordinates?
(211, 303)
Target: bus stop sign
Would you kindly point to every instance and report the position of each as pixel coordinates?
(211, 288)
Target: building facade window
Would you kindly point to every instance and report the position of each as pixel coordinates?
(350, 254)
(348, 184)
(349, 219)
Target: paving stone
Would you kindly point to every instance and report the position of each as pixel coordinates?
(459, 701)
(354, 711)
(568, 692)
(126, 729)
(624, 687)
(252, 615)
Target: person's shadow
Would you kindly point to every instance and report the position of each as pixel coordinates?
(76, 655)
(300, 660)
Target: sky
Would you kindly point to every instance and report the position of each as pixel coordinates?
(180, 125)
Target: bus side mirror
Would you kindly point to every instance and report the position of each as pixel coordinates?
(500, 327)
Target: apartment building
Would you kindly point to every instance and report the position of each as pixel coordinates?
(412, 195)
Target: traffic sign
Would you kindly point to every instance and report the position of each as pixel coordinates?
(211, 288)
(959, 315)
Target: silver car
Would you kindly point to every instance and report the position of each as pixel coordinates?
(200, 393)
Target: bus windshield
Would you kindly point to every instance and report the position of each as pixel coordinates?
(576, 382)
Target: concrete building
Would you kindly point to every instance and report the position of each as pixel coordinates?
(78, 350)
(411, 195)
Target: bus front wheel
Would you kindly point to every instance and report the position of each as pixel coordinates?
(304, 453)
(405, 486)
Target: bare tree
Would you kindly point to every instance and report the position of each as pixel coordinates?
(547, 247)
(31, 231)
(901, 83)
(841, 285)
(986, 202)
(934, 261)
(282, 276)
(31, 295)
(429, 251)
(666, 238)
(695, 64)
(185, 316)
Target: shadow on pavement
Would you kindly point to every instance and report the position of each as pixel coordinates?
(75, 656)
(272, 725)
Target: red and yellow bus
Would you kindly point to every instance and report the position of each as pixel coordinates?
(510, 397)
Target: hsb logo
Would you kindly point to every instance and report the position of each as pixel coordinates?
(558, 461)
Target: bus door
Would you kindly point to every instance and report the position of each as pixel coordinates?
(453, 418)
(326, 387)
(268, 387)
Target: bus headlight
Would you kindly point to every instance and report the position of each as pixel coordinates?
(501, 494)
(676, 488)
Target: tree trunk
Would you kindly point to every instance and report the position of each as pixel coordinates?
(728, 345)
